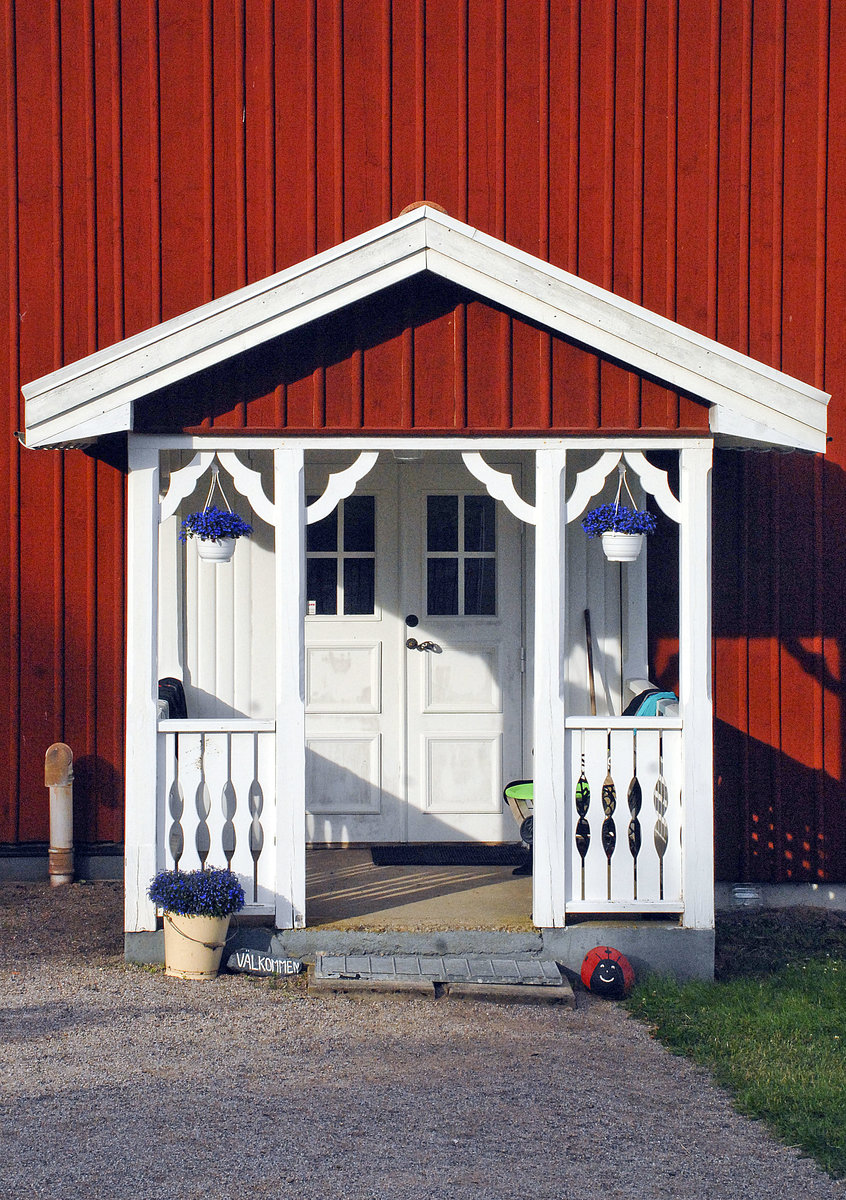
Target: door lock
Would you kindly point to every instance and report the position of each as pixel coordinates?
(412, 644)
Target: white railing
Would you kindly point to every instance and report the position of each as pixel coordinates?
(216, 801)
(623, 835)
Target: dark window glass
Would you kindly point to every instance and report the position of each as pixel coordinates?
(322, 584)
(360, 523)
(479, 523)
(442, 587)
(442, 523)
(359, 588)
(480, 587)
(323, 535)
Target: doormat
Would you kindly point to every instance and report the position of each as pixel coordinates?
(448, 854)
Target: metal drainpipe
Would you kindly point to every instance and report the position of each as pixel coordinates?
(58, 777)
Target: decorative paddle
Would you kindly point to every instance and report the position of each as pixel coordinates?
(609, 803)
(582, 806)
(635, 799)
(660, 799)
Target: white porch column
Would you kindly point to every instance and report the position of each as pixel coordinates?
(141, 683)
(695, 687)
(549, 883)
(289, 500)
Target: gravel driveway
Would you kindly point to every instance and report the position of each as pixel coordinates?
(119, 1082)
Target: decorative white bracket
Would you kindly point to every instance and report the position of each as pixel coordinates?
(500, 485)
(340, 485)
(653, 480)
(247, 482)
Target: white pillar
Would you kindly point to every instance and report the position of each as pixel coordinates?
(695, 687)
(289, 499)
(141, 683)
(549, 882)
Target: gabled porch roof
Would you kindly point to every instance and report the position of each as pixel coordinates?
(751, 403)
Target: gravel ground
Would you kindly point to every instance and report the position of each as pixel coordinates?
(120, 1082)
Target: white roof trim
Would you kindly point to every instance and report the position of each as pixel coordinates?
(96, 394)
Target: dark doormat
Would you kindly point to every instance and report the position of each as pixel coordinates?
(448, 854)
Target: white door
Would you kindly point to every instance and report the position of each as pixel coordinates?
(412, 742)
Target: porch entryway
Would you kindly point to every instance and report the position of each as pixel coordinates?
(414, 654)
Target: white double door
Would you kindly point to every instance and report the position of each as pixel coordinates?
(414, 661)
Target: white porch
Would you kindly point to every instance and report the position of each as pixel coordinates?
(233, 787)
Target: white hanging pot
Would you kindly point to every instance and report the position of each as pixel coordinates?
(220, 551)
(622, 547)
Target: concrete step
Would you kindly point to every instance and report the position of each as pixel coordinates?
(469, 977)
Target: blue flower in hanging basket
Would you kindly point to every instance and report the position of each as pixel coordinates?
(210, 892)
(213, 524)
(617, 518)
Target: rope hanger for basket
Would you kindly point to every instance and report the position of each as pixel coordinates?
(621, 479)
(215, 483)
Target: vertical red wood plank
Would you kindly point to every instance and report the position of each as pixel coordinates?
(185, 120)
(362, 129)
(484, 182)
(658, 407)
(834, 477)
(40, 280)
(575, 375)
(259, 139)
(9, 449)
(406, 105)
(140, 166)
(445, 90)
(802, 353)
(434, 375)
(329, 112)
(295, 133)
(488, 390)
(228, 166)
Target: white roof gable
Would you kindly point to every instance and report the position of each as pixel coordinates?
(752, 403)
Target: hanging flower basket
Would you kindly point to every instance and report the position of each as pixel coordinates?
(621, 528)
(215, 529)
(197, 908)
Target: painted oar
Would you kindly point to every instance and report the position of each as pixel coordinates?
(660, 799)
(609, 803)
(635, 799)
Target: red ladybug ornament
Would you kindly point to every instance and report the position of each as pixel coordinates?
(607, 972)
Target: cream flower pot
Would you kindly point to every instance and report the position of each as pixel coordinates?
(194, 945)
(220, 551)
(622, 547)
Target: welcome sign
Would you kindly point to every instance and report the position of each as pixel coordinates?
(256, 962)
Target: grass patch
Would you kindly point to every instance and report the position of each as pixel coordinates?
(772, 1029)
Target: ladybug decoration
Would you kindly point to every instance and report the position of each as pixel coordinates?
(607, 972)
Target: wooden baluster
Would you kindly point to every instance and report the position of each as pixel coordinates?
(635, 799)
(582, 806)
(609, 803)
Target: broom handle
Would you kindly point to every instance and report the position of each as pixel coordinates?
(590, 663)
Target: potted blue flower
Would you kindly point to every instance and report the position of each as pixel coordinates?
(197, 908)
(621, 528)
(216, 530)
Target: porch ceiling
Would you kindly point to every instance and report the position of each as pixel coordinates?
(752, 404)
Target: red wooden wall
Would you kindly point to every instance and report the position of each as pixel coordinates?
(157, 153)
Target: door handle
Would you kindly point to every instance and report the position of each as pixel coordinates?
(433, 646)
(412, 644)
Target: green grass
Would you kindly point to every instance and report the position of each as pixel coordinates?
(772, 1029)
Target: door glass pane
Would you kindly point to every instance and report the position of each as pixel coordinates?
(360, 523)
(479, 523)
(322, 584)
(480, 587)
(323, 535)
(442, 590)
(442, 523)
(359, 591)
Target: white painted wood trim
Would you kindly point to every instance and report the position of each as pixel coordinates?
(248, 483)
(654, 481)
(363, 441)
(499, 485)
(94, 395)
(695, 688)
(623, 723)
(549, 883)
(140, 835)
(589, 483)
(289, 492)
(216, 725)
(339, 485)
(183, 482)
